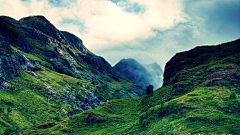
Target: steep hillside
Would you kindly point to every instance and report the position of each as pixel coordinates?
(59, 51)
(200, 96)
(49, 75)
(137, 73)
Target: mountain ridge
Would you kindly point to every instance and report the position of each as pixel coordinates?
(54, 86)
(186, 104)
(55, 45)
(42, 67)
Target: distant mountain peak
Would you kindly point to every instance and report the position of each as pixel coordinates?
(141, 74)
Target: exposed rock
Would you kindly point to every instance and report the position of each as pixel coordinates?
(200, 56)
(92, 101)
(219, 75)
(42, 24)
(66, 88)
(46, 125)
(182, 85)
(11, 62)
(27, 64)
(85, 76)
(229, 60)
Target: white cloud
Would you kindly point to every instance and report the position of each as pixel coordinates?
(15, 9)
(113, 25)
(107, 25)
(105, 22)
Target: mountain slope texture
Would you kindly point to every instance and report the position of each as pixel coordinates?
(52, 84)
(49, 75)
(200, 95)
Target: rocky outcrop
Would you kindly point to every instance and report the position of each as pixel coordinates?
(220, 75)
(11, 62)
(9, 65)
(42, 24)
(87, 101)
(91, 101)
(184, 69)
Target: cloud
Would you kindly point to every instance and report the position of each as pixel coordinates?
(105, 22)
(14, 9)
(145, 30)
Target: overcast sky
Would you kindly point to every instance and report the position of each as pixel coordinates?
(146, 30)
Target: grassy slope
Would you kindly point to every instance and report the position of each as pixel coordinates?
(204, 110)
(24, 101)
(200, 110)
(26, 96)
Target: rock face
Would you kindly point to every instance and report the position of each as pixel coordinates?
(218, 75)
(11, 62)
(143, 75)
(205, 65)
(59, 51)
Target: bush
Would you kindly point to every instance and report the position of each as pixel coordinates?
(232, 106)
(149, 90)
(142, 117)
(91, 118)
(233, 95)
(9, 110)
(117, 95)
(162, 110)
(145, 122)
(12, 130)
(147, 103)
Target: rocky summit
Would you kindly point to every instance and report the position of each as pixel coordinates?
(50, 83)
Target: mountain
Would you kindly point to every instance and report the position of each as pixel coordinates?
(52, 84)
(200, 95)
(48, 75)
(137, 73)
(156, 71)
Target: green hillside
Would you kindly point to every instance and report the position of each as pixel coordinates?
(52, 84)
(47, 75)
(183, 107)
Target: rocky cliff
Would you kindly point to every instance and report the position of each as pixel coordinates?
(204, 66)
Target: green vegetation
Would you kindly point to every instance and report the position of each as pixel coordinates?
(201, 94)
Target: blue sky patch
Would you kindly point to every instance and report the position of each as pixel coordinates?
(79, 23)
(130, 7)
